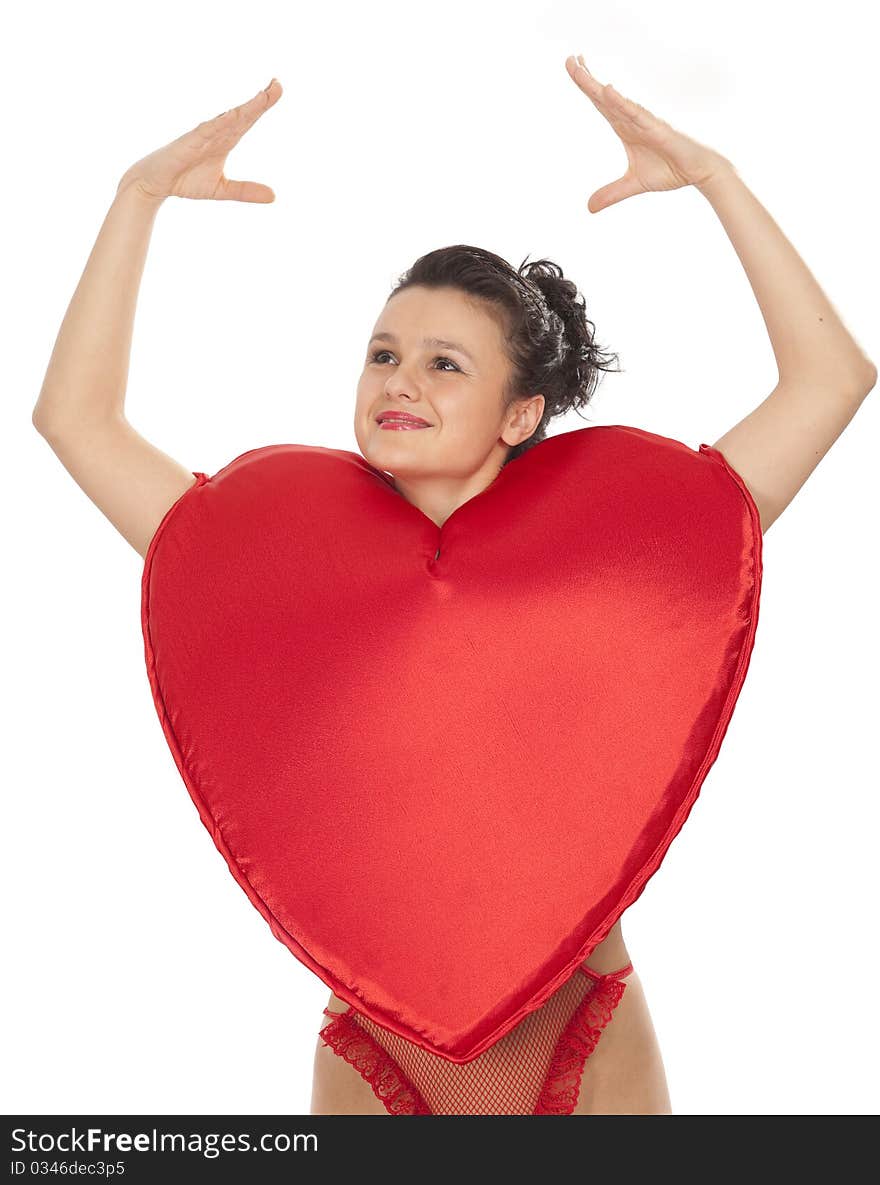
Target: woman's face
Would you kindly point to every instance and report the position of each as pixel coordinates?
(455, 386)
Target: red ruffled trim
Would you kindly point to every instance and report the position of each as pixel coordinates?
(373, 1063)
(562, 1085)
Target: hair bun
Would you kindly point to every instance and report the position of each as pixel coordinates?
(559, 293)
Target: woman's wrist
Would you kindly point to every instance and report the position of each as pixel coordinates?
(130, 189)
(718, 175)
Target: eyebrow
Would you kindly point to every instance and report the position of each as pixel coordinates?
(434, 342)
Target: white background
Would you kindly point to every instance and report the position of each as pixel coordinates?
(139, 978)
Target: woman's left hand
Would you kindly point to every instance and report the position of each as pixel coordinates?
(660, 157)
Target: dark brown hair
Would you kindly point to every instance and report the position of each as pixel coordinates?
(549, 340)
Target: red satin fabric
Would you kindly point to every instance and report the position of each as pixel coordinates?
(442, 762)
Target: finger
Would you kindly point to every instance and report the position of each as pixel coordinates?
(614, 192)
(628, 109)
(578, 70)
(244, 191)
(264, 99)
(588, 84)
(246, 114)
(620, 111)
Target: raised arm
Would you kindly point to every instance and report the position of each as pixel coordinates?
(823, 374)
(80, 410)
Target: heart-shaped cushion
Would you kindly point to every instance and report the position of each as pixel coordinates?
(442, 762)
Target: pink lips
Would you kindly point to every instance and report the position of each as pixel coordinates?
(399, 421)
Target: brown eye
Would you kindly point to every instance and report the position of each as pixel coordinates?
(441, 358)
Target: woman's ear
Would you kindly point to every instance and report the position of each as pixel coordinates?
(524, 418)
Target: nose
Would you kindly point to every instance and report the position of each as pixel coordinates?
(400, 383)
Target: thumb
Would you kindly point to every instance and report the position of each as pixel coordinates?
(244, 191)
(608, 195)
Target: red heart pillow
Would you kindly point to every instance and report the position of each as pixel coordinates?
(442, 762)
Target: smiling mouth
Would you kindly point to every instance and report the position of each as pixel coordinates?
(401, 425)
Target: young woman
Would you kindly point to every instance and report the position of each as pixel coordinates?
(506, 351)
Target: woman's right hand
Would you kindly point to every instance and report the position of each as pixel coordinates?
(192, 165)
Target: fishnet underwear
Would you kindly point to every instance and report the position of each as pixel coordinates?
(535, 1069)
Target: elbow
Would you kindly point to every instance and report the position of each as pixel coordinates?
(40, 417)
(45, 422)
(860, 382)
(47, 430)
(866, 376)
